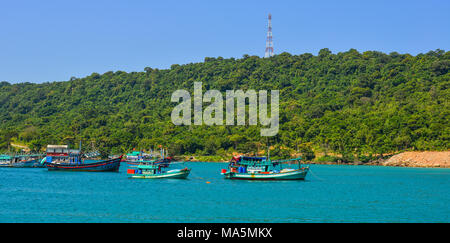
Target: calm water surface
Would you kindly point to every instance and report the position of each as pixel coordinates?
(331, 193)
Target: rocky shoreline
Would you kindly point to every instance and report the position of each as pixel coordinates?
(426, 159)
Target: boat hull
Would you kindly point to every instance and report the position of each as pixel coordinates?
(111, 165)
(291, 175)
(183, 174)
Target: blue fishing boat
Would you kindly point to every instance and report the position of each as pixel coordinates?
(158, 169)
(262, 168)
(61, 158)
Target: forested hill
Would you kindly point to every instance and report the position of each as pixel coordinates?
(350, 103)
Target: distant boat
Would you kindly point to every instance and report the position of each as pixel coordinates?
(134, 157)
(262, 168)
(61, 158)
(5, 160)
(21, 161)
(158, 169)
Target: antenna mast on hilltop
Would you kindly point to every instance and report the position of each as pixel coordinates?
(269, 42)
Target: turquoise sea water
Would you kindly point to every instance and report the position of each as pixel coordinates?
(331, 193)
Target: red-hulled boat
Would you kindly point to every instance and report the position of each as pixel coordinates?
(61, 158)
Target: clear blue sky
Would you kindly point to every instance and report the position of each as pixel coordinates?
(55, 40)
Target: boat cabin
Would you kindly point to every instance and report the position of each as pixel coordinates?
(245, 164)
(152, 167)
(61, 154)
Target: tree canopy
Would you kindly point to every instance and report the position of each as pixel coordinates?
(349, 103)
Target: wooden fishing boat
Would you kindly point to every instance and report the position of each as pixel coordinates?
(158, 169)
(61, 158)
(111, 165)
(262, 168)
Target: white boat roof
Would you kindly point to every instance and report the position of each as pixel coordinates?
(58, 146)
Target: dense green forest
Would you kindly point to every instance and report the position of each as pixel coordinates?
(351, 105)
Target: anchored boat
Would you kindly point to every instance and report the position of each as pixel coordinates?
(262, 168)
(61, 158)
(135, 157)
(5, 160)
(22, 161)
(158, 169)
